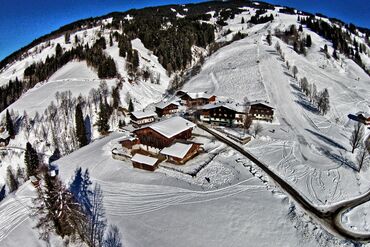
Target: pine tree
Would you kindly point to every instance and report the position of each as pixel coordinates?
(116, 98)
(110, 40)
(31, 160)
(308, 41)
(11, 179)
(80, 127)
(131, 106)
(9, 124)
(135, 59)
(102, 123)
(2, 193)
(58, 210)
(268, 39)
(243, 21)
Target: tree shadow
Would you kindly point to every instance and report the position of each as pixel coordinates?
(340, 159)
(327, 140)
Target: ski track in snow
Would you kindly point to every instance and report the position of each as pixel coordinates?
(13, 212)
(132, 199)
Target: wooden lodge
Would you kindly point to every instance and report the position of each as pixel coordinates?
(224, 114)
(167, 109)
(163, 134)
(140, 118)
(363, 117)
(180, 153)
(144, 162)
(261, 110)
(195, 99)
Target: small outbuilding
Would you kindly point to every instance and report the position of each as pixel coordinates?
(180, 152)
(144, 162)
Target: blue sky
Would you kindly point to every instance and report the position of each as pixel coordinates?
(22, 21)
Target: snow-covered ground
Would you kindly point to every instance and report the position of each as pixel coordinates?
(310, 150)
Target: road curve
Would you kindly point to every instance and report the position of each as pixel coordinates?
(331, 218)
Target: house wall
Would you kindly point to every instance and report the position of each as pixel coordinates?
(261, 112)
(144, 166)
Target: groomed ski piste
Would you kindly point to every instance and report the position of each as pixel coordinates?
(165, 208)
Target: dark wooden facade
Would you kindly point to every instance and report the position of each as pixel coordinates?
(261, 111)
(150, 137)
(129, 143)
(220, 115)
(144, 166)
(190, 102)
(167, 110)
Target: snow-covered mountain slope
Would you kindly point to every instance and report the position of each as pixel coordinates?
(309, 150)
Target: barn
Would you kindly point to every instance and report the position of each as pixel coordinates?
(130, 142)
(162, 134)
(180, 152)
(144, 162)
(140, 118)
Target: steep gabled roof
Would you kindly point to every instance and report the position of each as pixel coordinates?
(143, 159)
(178, 150)
(262, 102)
(143, 114)
(163, 105)
(229, 105)
(170, 127)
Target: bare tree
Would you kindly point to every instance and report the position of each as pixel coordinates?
(247, 119)
(257, 129)
(295, 71)
(96, 219)
(113, 238)
(362, 157)
(357, 136)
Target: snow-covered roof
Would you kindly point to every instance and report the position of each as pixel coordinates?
(128, 138)
(229, 105)
(199, 95)
(4, 135)
(143, 159)
(163, 105)
(263, 102)
(364, 114)
(178, 149)
(143, 114)
(172, 126)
